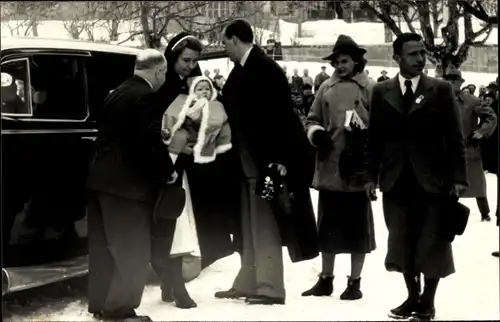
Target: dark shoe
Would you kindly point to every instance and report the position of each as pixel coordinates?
(423, 312)
(485, 217)
(230, 294)
(264, 300)
(323, 287)
(128, 316)
(182, 299)
(352, 292)
(167, 295)
(495, 254)
(405, 310)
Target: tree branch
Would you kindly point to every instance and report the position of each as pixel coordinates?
(478, 13)
(132, 35)
(383, 16)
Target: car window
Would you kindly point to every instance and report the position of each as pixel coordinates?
(16, 91)
(105, 72)
(58, 87)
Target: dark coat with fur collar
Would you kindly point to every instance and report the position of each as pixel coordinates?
(205, 180)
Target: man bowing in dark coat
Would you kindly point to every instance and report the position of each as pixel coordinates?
(417, 157)
(130, 165)
(265, 133)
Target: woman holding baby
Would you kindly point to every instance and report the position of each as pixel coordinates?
(336, 127)
(195, 128)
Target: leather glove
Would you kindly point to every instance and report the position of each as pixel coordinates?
(371, 191)
(321, 138)
(324, 144)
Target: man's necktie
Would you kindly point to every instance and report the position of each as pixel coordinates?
(408, 96)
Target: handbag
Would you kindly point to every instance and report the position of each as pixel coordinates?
(456, 216)
(169, 203)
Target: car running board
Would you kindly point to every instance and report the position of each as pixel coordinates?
(16, 279)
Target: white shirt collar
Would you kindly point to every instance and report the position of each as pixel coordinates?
(245, 57)
(414, 83)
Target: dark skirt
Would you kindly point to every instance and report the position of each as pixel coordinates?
(415, 222)
(345, 223)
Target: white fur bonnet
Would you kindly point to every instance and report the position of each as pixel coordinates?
(198, 79)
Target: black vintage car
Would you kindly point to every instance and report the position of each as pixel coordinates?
(51, 92)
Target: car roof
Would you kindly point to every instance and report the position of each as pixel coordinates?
(71, 44)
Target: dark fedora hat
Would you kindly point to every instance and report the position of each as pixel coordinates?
(345, 45)
(454, 74)
(456, 216)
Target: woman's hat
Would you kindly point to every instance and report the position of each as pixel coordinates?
(454, 74)
(345, 45)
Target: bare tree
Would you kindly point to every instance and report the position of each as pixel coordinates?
(23, 17)
(155, 17)
(85, 17)
(114, 13)
(485, 10)
(449, 53)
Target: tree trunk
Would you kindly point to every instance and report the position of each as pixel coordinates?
(387, 34)
(113, 34)
(146, 32)
(35, 28)
(90, 33)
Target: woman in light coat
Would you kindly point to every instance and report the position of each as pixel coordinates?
(336, 126)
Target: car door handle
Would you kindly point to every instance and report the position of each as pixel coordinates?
(91, 138)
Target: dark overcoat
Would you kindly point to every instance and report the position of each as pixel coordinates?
(130, 159)
(472, 112)
(489, 147)
(415, 154)
(272, 133)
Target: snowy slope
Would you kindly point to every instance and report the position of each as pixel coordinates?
(325, 32)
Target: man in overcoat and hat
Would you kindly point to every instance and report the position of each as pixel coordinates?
(474, 133)
(266, 135)
(416, 155)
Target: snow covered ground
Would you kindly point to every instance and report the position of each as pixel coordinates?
(469, 294)
(323, 32)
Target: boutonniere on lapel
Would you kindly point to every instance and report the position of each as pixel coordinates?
(419, 99)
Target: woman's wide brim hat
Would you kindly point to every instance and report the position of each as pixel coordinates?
(345, 45)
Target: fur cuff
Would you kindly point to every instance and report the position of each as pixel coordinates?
(310, 131)
(223, 148)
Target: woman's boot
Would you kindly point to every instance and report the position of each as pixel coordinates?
(352, 292)
(179, 292)
(323, 287)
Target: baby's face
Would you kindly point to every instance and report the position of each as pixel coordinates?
(203, 89)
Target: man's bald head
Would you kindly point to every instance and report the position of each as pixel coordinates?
(151, 65)
(149, 59)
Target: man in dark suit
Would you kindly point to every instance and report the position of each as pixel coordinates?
(265, 132)
(417, 157)
(130, 165)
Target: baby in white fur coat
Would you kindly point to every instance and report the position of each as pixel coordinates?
(197, 124)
